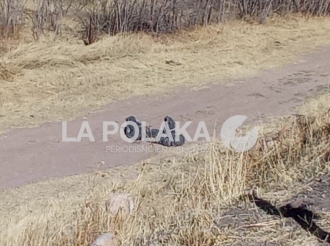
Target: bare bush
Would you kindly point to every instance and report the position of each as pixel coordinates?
(47, 15)
(256, 8)
(11, 17)
(158, 16)
(151, 16)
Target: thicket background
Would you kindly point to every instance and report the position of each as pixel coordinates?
(96, 17)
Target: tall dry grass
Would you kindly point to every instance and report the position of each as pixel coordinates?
(177, 200)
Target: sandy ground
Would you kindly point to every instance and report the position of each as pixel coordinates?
(35, 154)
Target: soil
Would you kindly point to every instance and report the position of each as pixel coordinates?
(35, 154)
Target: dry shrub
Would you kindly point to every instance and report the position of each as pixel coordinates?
(151, 16)
(11, 17)
(158, 16)
(46, 16)
(302, 141)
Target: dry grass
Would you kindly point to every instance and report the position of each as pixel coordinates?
(176, 200)
(46, 81)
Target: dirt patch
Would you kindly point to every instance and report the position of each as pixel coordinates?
(30, 155)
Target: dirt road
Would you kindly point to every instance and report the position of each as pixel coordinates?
(35, 154)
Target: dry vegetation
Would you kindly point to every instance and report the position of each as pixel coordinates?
(47, 73)
(52, 81)
(178, 200)
(45, 80)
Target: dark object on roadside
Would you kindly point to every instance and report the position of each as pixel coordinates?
(153, 133)
(166, 140)
(129, 129)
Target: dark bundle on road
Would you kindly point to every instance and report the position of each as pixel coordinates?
(153, 133)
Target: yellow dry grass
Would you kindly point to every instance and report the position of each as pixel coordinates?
(177, 200)
(46, 81)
